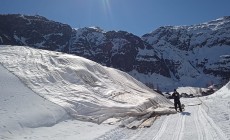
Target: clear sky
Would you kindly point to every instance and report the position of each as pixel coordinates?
(135, 16)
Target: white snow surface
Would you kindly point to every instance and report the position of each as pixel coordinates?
(60, 87)
(26, 115)
(85, 89)
(217, 106)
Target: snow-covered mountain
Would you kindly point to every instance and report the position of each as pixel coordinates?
(195, 55)
(168, 57)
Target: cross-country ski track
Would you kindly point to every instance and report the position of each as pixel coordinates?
(192, 124)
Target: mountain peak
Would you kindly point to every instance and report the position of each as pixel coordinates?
(177, 55)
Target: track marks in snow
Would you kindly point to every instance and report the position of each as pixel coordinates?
(205, 127)
(172, 128)
(199, 130)
(219, 111)
(212, 132)
(179, 128)
(162, 129)
(192, 125)
(124, 134)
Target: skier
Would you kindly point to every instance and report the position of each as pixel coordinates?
(176, 97)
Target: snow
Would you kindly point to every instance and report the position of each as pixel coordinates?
(85, 89)
(53, 34)
(20, 107)
(145, 55)
(117, 44)
(20, 39)
(218, 107)
(45, 95)
(188, 71)
(1, 39)
(154, 79)
(192, 124)
(96, 35)
(191, 52)
(29, 21)
(195, 91)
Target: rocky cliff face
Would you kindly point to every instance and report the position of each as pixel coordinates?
(166, 58)
(121, 50)
(34, 31)
(195, 54)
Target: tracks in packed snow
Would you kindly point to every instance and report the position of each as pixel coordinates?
(194, 124)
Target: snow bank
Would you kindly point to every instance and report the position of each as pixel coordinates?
(20, 107)
(217, 106)
(224, 92)
(85, 89)
(195, 91)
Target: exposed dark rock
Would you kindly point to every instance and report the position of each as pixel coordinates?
(175, 53)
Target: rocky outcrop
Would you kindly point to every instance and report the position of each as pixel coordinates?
(34, 31)
(199, 52)
(168, 57)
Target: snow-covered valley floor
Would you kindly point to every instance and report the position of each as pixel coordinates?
(25, 114)
(192, 124)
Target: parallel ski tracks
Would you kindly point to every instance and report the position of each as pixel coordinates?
(179, 129)
(162, 129)
(199, 130)
(192, 125)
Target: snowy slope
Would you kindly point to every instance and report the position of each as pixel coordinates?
(20, 107)
(85, 89)
(224, 92)
(26, 115)
(217, 106)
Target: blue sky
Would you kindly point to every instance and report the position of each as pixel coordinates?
(135, 16)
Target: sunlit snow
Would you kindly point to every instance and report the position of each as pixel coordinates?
(87, 90)
(64, 89)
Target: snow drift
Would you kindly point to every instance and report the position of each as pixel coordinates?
(85, 89)
(20, 107)
(223, 92)
(217, 107)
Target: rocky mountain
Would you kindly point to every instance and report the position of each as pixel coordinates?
(197, 54)
(168, 57)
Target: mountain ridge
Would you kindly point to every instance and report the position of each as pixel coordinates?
(194, 55)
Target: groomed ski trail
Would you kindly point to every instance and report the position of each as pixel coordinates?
(193, 124)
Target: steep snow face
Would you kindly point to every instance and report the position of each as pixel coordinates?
(87, 90)
(195, 55)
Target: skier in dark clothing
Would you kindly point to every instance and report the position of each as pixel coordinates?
(176, 97)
